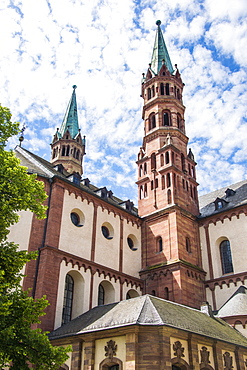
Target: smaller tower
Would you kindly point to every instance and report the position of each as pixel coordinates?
(68, 147)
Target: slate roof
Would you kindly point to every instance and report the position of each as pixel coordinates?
(41, 167)
(206, 202)
(236, 304)
(149, 310)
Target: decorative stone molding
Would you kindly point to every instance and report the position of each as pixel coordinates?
(178, 349)
(111, 349)
(227, 361)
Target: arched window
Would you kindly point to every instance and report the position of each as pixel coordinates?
(68, 299)
(163, 181)
(145, 168)
(167, 89)
(168, 180)
(167, 158)
(162, 160)
(169, 196)
(63, 150)
(140, 171)
(187, 244)
(162, 90)
(78, 154)
(175, 180)
(153, 161)
(152, 121)
(101, 295)
(153, 93)
(226, 257)
(141, 192)
(166, 119)
(179, 120)
(153, 292)
(166, 293)
(145, 191)
(159, 244)
(74, 152)
(183, 162)
(67, 150)
(149, 93)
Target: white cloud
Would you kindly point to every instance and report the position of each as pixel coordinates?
(103, 47)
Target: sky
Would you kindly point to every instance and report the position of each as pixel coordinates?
(103, 47)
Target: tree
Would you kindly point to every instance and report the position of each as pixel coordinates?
(20, 345)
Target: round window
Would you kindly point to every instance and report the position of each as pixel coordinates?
(107, 230)
(77, 218)
(131, 243)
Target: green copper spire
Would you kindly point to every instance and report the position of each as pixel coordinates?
(70, 121)
(160, 52)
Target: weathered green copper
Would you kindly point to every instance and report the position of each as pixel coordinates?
(160, 52)
(70, 121)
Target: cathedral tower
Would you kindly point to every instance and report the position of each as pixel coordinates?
(168, 199)
(68, 147)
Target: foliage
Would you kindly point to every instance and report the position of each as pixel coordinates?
(21, 345)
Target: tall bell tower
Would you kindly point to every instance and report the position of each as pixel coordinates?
(168, 199)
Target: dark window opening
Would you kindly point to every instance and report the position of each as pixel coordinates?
(153, 93)
(68, 299)
(106, 232)
(160, 244)
(166, 293)
(166, 121)
(131, 244)
(67, 151)
(63, 150)
(167, 89)
(75, 219)
(168, 180)
(187, 244)
(226, 257)
(169, 196)
(162, 90)
(163, 182)
(153, 161)
(167, 157)
(149, 93)
(162, 160)
(101, 295)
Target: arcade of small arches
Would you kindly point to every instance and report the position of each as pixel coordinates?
(163, 89)
(166, 120)
(165, 159)
(167, 181)
(67, 151)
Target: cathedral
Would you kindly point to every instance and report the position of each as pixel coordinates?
(160, 286)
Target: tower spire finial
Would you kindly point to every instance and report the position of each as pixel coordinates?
(160, 52)
(70, 121)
